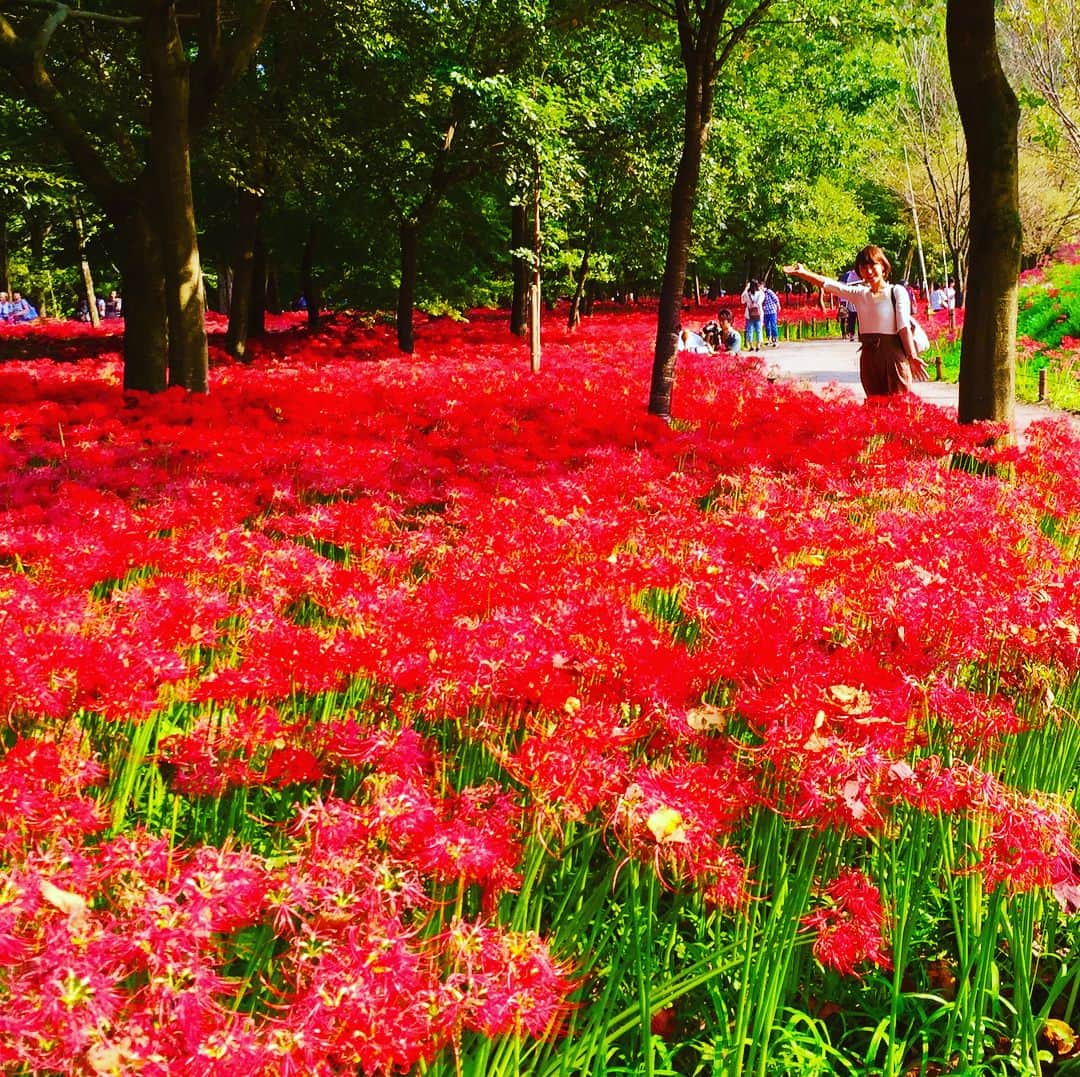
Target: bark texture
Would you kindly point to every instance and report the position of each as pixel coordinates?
(243, 272)
(990, 115)
(170, 153)
(708, 35)
(407, 287)
(696, 115)
(519, 240)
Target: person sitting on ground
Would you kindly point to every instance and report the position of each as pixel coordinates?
(21, 310)
(888, 358)
(114, 306)
(5, 307)
(730, 338)
(710, 332)
(692, 342)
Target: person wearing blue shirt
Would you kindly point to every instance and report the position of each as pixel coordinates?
(5, 307)
(21, 310)
(730, 338)
(770, 310)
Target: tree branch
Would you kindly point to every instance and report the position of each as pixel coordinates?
(79, 13)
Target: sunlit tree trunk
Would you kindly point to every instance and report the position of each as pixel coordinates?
(697, 110)
(85, 274)
(171, 162)
(990, 115)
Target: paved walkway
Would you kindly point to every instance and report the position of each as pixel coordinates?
(824, 362)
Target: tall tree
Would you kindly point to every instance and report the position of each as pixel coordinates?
(708, 36)
(990, 114)
(126, 117)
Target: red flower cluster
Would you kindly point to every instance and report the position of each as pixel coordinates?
(850, 930)
(374, 621)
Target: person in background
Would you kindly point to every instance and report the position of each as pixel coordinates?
(114, 306)
(689, 341)
(730, 338)
(913, 295)
(847, 319)
(770, 309)
(937, 298)
(846, 314)
(753, 298)
(5, 307)
(888, 358)
(21, 309)
(710, 333)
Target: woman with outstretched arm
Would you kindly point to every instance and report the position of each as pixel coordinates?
(888, 359)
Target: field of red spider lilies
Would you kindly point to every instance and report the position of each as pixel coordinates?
(377, 713)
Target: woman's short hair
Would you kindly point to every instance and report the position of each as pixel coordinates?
(871, 254)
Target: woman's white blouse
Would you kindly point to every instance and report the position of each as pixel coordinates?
(875, 311)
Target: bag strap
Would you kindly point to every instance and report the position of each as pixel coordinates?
(895, 316)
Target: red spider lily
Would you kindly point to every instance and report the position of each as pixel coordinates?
(42, 794)
(509, 981)
(850, 930)
(475, 839)
(375, 570)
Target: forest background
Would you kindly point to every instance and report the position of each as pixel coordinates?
(383, 155)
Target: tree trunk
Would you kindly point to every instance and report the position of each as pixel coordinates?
(310, 285)
(260, 288)
(574, 319)
(989, 114)
(85, 275)
(268, 295)
(698, 109)
(248, 206)
(519, 239)
(171, 162)
(407, 287)
(225, 290)
(5, 276)
(589, 298)
(145, 337)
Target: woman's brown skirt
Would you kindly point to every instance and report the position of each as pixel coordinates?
(883, 366)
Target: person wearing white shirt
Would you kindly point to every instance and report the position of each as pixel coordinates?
(753, 301)
(888, 358)
(689, 341)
